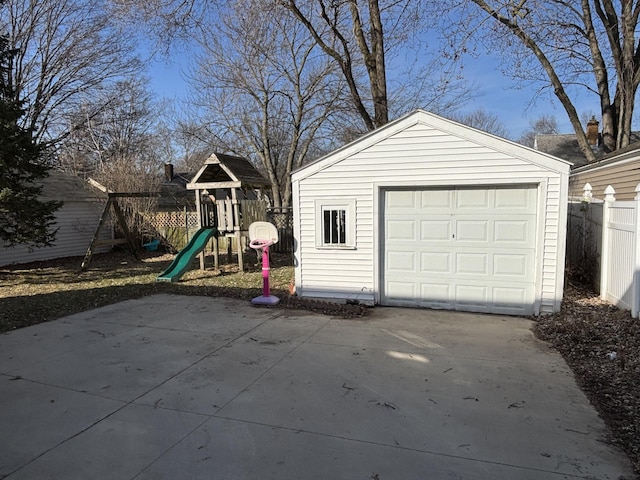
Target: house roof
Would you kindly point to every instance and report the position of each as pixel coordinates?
(174, 193)
(630, 152)
(227, 171)
(180, 179)
(444, 125)
(177, 185)
(565, 146)
(66, 187)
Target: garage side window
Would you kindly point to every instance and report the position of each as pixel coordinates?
(335, 224)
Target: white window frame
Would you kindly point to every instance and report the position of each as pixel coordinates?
(349, 207)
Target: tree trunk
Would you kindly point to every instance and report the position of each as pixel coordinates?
(373, 56)
(557, 85)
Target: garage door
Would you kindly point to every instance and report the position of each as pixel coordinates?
(460, 248)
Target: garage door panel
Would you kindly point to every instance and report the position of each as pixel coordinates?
(435, 263)
(508, 296)
(472, 230)
(401, 230)
(472, 199)
(472, 264)
(516, 265)
(471, 294)
(479, 255)
(514, 231)
(401, 290)
(401, 262)
(512, 265)
(400, 200)
(436, 293)
(435, 200)
(515, 198)
(436, 230)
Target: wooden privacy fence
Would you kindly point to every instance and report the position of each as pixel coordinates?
(584, 240)
(606, 234)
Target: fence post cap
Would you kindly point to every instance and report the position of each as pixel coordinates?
(637, 197)
(609, 194)
(587, 187)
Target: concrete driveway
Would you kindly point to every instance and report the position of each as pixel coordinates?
(172, 387)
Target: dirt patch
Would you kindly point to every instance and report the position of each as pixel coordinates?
(601, 344)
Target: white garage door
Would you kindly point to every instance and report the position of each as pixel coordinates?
(461, 249)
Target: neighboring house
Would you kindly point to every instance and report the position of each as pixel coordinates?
(621, 169)
(565, 145)
(174, 195)
(428, 212)
(76, 221)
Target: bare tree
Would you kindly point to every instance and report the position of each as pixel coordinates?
(169, 21)
(193, 142)
(118, 125)
(66, 51)
(351, 33)
(565, 46)
(482, 120)
(120, 146)
(543, 125)
(359, 36)
(265, 88)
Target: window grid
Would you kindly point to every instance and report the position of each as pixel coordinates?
(334, 226)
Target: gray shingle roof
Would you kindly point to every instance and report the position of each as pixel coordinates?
(64, 186)
(565, 146)
(222, 168)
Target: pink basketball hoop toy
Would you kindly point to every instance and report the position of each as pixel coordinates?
(262, 236)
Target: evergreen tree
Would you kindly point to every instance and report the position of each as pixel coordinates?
(24, 219)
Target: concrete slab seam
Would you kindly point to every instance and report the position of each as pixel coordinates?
(288, 354)
(132, 402)
(400, 447)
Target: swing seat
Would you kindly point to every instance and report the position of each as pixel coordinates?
(152, 246)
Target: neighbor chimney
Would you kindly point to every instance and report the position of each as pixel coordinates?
(168, 170)
(592, 132)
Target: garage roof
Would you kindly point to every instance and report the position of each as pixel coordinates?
(444, 125)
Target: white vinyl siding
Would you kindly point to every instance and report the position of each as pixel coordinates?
(416, 155)
(76, 223)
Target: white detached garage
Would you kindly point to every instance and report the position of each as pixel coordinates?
(426, 212)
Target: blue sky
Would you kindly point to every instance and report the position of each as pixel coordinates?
(167, 78)
(496, 94)
(512, 105)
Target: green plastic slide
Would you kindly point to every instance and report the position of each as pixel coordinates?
(183, 260)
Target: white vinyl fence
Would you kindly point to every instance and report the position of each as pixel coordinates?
(604, 244)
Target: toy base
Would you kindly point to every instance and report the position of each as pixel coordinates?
(262, 300)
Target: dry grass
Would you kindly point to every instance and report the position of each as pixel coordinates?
(42, 291)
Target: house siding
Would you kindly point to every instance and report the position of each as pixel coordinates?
(623, 175)
(418, 156)
(76, 223)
